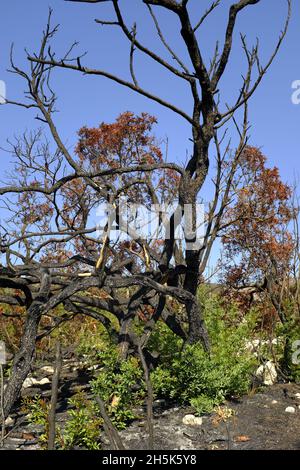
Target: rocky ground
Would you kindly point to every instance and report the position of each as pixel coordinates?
(267, 420)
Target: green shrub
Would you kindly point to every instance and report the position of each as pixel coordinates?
(37, 410)
(204, 404)
(119, 385)
(82, 427)
(83, 424)
(192, 376)
(164, 342)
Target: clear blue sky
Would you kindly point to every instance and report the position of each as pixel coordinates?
(90, 100)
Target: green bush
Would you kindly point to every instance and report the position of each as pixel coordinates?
(119, 385)
(204, 404)
(83, 424)
(82, 427)
(37, 410)
(192, 376)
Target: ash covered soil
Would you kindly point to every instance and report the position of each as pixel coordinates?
(255, 422)
(258, 422)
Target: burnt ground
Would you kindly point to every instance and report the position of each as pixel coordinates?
(255, 422)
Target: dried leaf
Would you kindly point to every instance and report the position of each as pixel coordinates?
(242, 439)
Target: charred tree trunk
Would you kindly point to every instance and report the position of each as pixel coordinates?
(197, 329)
(124, 338)
(54, 396)
(24, 357)
(189, 190)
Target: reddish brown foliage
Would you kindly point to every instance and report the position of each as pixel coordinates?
(258, 232)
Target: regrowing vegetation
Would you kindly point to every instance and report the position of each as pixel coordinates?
(145, 310)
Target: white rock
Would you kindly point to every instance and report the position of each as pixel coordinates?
(251, 346)
(47, 370)
(256, 344)
(270, 377)
(9, 421)
(297, 396)
(43, 381)
(260, 372)
(191, 420)
(275, 341)
(31, 382)
(274, 402)
(267, 373)
(290, 409)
